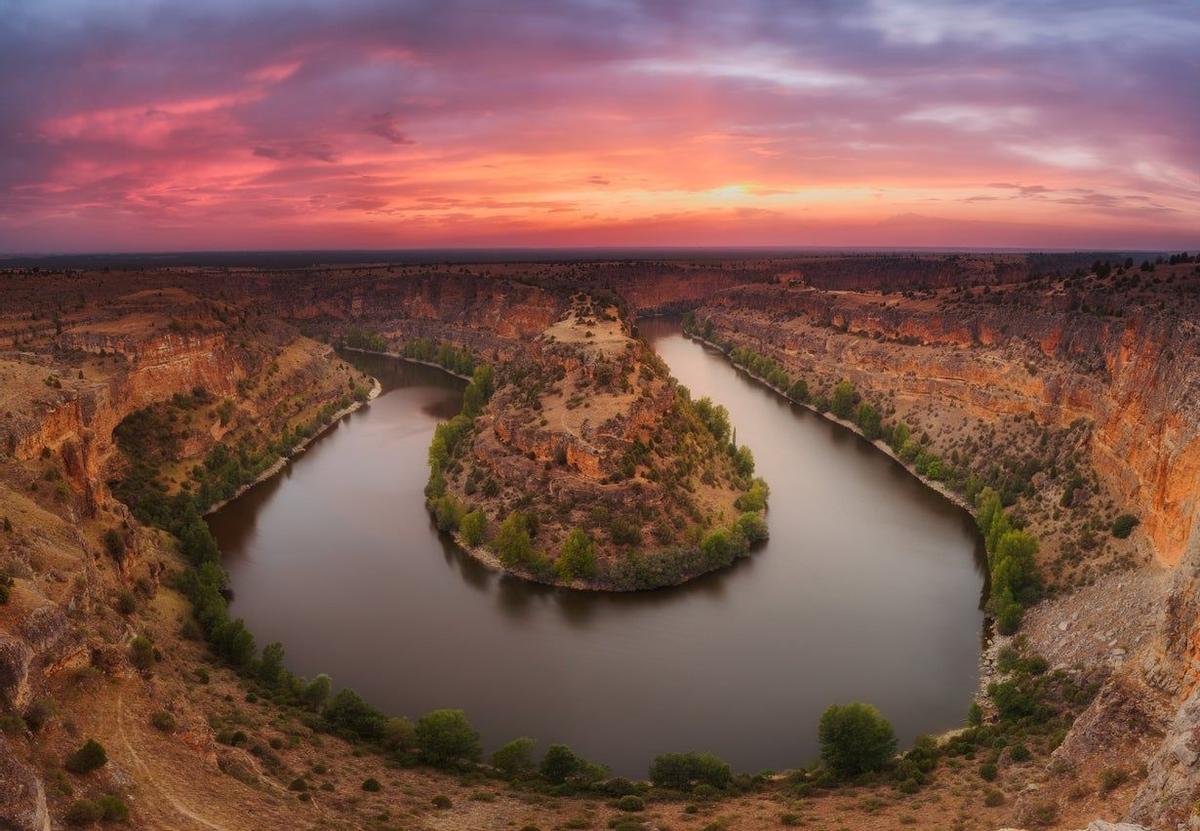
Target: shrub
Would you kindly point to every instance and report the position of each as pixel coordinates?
(473, 528)
(348, 712)
(445, 738)
(630, 802)
(84, 812)
(112, 808)
(515, 757)
(578, 557)
(559, 764)
(126, 602)
(855, 738)
(679, 771)
(163, 721)
(441, 802)
(1123, 526)
(114, 544)
(1019, 753)
(993, 798)
(755, 498)
(843, 399)
(39, 713)
(752, 527)
(988, 772)
(513, 543)
(88, 757)
(141, 652)
(316, 692)
(399, 733)
(1112, 778)
(371, 785)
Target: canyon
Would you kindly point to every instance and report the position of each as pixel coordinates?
(1073, 391)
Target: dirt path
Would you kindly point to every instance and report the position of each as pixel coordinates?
(147, 776)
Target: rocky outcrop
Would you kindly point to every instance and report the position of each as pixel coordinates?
(22, 796)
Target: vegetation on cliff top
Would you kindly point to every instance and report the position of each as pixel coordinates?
(650, 491)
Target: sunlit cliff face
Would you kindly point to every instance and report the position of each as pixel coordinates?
(356, 123)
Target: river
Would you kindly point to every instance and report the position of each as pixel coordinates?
(869, 589)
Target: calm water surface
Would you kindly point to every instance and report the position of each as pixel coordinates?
(868, 590)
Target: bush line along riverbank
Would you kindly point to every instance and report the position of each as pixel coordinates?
(857, 743)
(1013, 582)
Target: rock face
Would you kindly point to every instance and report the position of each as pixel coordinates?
(1136, 378)
(22, 796)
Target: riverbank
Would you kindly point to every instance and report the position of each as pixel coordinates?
(299, 447)
(956, 499)
(401, 357)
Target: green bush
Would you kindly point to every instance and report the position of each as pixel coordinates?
(515, 757)
(348, 712)
(84, 812)
(752, 527)
(371, 785)
(399, 733)
(441, 802)
(987, 771)
(445, 738)
(680, 771)
(630, 802)
(164, 721)
(855, 738)
(993, 798)
(559, 764)
(112, 808)
(578, 557)
(843, 399)
(513, 543)
(474, 527)
(141, 652)
(90, 756)
(1123, 526)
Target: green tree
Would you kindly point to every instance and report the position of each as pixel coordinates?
(474, 527)
(681, 771)
(90, 756)
(855, 738)
(141, 652)
(1123, 526)
(715, 419)
(868, 421)
(743, 460)
(752, 527)
(316, 692)
(843, 400)
(560, 763)
(348, 712)
(399, 733)
(578, 557)
(270, 666)
(755, 498)
(515, 757)
(799, 391)
(513, 543)
(445, 738)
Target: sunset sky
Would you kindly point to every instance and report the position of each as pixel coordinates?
(239, 124)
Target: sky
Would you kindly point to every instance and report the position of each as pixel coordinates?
(143, 125)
